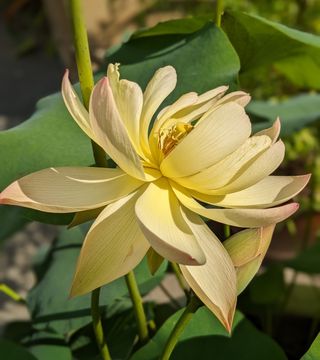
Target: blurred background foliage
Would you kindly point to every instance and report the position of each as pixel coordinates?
(284, 299)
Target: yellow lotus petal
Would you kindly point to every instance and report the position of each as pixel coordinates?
(69, 189)
(235, 217)
(221, 173)
(164, 117)
(204, 103)
(154, 260)
(113, 246)
(75, 106)
(247, 272)
(129, 100)
(259, 168)
(244, 246)
(271, 191)
(273, 132)
(82, 217)
(240, 97)
(160, 218)
(110, 131)
(159, 87)
(165, 120)
(247, 250)
(215, 281)
(218, 135)
(215, 93)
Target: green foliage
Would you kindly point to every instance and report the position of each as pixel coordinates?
(14, 351)
(307, 260)
(141, 57)
(314, 352)
(268, 288)
(295, 112)
(204, 336)
(51, 352)
(260, 42)
(173, 27)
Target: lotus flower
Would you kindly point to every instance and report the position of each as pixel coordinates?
(198, 150)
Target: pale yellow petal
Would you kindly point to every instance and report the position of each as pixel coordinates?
(160, 218)
(240, 97)
(215, 93)
(159, 87)
(110, 131)
(69, 189)
(218, 135)
(256, 170)
(129, 100)
(220, 174)
(215, 281)
(163, 119)
(247, 250)
(204, 102)
(113, 246)
(154, 260)
(166, 119)
(235, 217)
(75, 106)
(82, 217)
(244, 246)
(271, 191)
(273, 132)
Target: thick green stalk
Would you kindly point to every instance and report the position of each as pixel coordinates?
(183, 321)
(82, 51)
(84, 68)
(86, 84)
(227, 231)
(219, 12)
(138, 307)
(180, 279)
(97, 325)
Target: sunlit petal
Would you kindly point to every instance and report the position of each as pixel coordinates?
(75, 106)
(160, 218)
(215, 281)
(247, 250)
(218, 135)
(256, 170)
(236, 217)
(271, 191)
(113, 246)
(129, 100)
(69, 189)
(159, 87)
(110, 131)
(221, 173)
(273, 132)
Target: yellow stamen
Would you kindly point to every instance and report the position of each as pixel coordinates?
(169, 138)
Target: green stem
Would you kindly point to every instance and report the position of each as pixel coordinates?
(84, 68)
(11, 293)
(138, 307)
(86, 84)
(180, 279)
(227, 231)
(82, 51)
(97, 325)
(183, 321)
(219, 12)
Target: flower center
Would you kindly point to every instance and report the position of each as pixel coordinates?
(170, 137)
